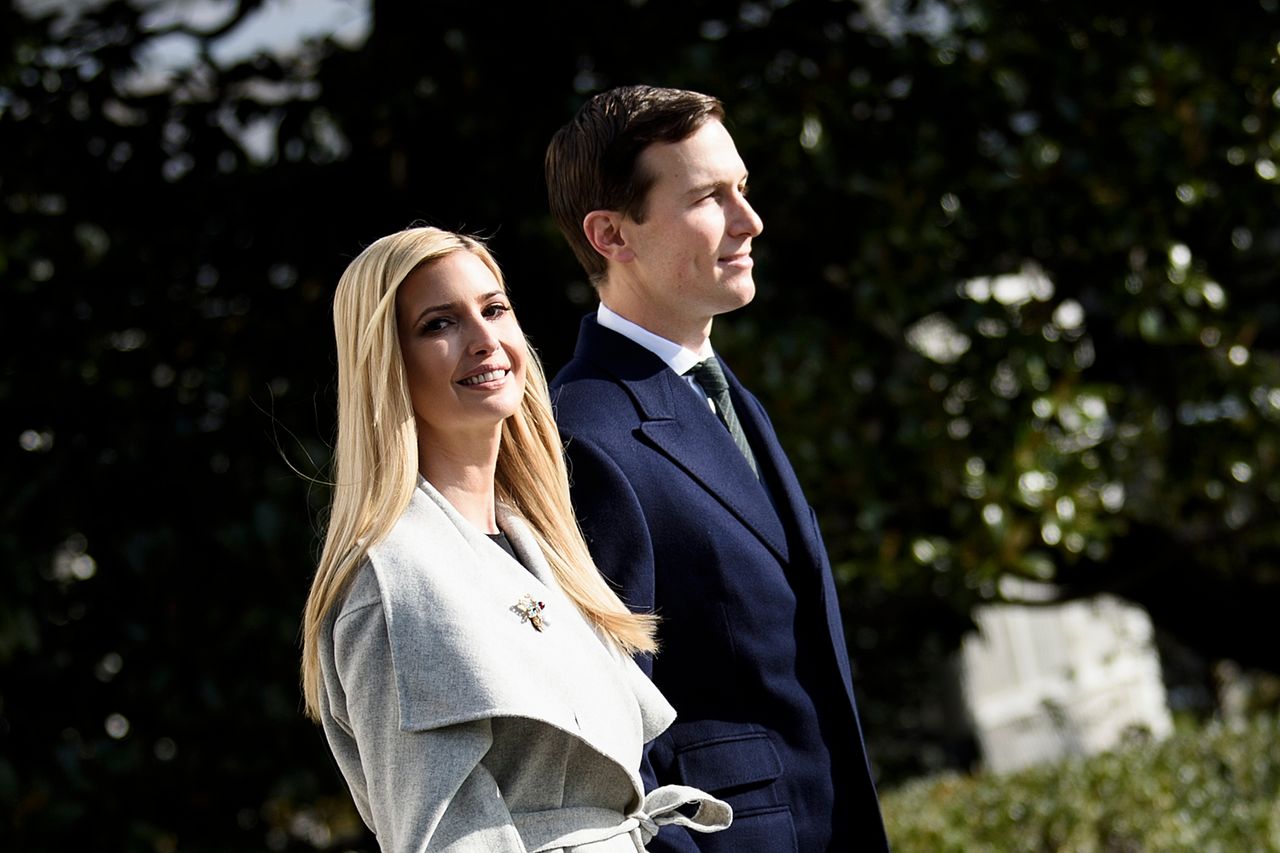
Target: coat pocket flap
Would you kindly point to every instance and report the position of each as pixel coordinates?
(729, 762)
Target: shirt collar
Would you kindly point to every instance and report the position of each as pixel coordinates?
(675, 356)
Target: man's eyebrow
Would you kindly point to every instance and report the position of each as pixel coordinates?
(708, 186)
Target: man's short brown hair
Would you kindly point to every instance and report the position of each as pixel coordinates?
(591, 163)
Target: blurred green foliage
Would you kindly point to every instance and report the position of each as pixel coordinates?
(1016, 315)
(1210, 787)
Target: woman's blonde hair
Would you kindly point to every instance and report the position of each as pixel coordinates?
(375, 461)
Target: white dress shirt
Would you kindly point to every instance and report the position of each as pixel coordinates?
(679, 358)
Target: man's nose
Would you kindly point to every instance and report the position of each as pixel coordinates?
(746, 222)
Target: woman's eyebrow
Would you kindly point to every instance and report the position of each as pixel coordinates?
(451, 306)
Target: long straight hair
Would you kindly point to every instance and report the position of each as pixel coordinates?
(375, 461)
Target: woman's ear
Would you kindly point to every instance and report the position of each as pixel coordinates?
(604, 230)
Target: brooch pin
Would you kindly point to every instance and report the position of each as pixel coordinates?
(530, 610)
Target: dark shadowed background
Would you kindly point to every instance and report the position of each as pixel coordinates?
(1017, 315)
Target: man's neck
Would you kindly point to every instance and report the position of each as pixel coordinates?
(680, 359)
(694, 337)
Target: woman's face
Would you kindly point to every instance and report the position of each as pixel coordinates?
(464, 353)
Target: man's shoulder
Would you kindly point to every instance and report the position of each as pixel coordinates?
(579, 370)
(584, 393)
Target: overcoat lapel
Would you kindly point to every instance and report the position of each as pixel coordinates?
(672, 416)
(676, 420)
(789, 498)
(655, 712)
(460, 653)
(792, 502)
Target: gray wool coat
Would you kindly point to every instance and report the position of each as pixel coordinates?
(461, 728)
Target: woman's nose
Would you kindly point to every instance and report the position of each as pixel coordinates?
(483, 336)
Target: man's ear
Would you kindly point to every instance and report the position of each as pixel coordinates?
(604, 230)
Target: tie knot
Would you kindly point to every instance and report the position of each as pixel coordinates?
(710, 375)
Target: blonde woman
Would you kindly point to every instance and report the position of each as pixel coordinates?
(470, 667)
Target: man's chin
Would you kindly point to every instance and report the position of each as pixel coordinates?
(739, 290)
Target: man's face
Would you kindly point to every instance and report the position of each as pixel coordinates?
(691, 257)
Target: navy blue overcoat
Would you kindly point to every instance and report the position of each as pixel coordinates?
(753, 650)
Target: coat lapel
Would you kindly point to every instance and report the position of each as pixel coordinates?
(788, 496)
(676, 420)
(656, 713)
(460, 653)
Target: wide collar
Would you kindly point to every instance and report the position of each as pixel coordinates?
(461, 651)
(675, 419)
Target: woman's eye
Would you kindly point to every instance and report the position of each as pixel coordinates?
(497, 309)
(439, 324)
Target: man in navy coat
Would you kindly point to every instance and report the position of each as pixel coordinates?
(686, 497)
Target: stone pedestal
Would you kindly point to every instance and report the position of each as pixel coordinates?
(1046, 682)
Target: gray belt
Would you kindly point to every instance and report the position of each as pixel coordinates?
(543, 831)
